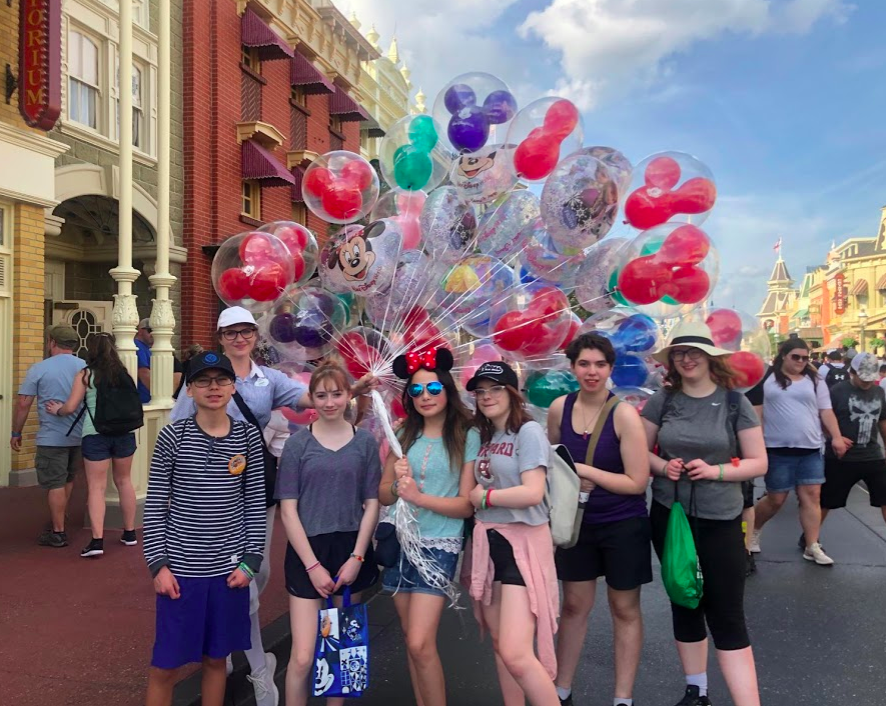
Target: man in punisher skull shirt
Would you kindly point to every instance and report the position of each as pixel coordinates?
(860, 407)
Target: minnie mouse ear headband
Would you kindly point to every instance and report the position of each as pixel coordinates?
(432, 359)
(691, 335)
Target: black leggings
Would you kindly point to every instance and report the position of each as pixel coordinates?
(721, 552)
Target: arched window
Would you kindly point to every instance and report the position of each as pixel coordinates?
(83, 79)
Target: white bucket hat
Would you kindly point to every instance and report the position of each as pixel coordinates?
(694, 335)
(235, 315)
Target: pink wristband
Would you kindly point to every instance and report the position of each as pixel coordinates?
(312, 567)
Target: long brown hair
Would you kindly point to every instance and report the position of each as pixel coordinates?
(103, 361)
(517, 417)
(455, 426)
(792, 344)
(329, 370)
(720, 371)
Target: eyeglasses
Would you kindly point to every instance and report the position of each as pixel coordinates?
(692, 354)
(493, 391)
(434, 388)
(223, 381)
(799, 358)
(247, 334)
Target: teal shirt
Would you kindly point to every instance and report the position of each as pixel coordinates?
(431, 469)
(89, 401)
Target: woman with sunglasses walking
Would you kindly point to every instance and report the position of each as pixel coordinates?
(258, 391)
(435, 478)
(795, 404)
(704, 439)
(513, 577)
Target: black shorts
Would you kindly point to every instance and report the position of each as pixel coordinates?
(502, 554)
(747, 491)
(332, 551)
(840, 476)
(620, 551)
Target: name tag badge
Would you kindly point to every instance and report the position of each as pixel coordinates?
(262, 382)
(237, 464)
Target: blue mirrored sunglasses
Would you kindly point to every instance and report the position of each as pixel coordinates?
(416, 390)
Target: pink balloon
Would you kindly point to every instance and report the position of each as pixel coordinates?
(409, 207)
(484, 353)
(411, 230)
(303, 417)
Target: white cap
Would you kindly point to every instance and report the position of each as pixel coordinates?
(235, 315)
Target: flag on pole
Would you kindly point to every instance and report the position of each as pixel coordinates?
(777, 246)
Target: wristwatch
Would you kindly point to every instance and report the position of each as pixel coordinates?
(16, 435)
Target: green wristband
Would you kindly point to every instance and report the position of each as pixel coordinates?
(721, 472)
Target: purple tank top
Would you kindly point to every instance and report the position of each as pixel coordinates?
(603, 506)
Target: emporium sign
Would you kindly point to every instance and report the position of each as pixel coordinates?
(840, 293)
(40, 65)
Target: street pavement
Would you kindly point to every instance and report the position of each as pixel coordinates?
(819, 634)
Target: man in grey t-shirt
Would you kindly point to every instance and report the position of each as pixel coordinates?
(58, 452)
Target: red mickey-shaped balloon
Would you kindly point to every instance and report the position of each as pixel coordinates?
(726, 328)
(267, 282)
(662, 172)
(342, 200)
(317, 180)
(233, 284)
(657, 202)
(749, 368)
(571, 332)
(561, 119)
(257, 248)
(358, 173)
(643, 279)
(687, 245)
(548, 302)
(357, 353)
(538, 154)
(689, 284)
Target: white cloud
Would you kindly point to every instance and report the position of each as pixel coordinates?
(612, 44)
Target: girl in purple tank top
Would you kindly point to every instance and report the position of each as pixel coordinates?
(615, 537)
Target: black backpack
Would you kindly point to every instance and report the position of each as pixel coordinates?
(118, 408)
(835, 375)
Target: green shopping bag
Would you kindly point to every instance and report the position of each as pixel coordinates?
(680, 569)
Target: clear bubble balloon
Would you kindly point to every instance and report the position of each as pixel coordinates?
(411, 155)
(481, 351)
(670, 186)
(740, 332)
(637, 397)
(579, 203)
(629, 371)
(668, 270)
(302, 246)
(413, 284)
(530, 322)
(404, 207)
(473, 285)
(474, 109)
(501, 228)
(483, 176)
(544, 132)
(543, 261)
(340, 187)
(618, 165)
(543, 387)
(629, 331)
(596, 287)
(363, 350)
(362, 260)
(449, 224)
(306, 324)
(252, 270)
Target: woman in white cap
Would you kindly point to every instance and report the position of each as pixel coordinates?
(708, 440)
(258, 391)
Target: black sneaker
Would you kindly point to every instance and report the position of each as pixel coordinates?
(129, 538)
(51, 538)
(567, 701)
(750, 565)
(96, 547)
(691, 698)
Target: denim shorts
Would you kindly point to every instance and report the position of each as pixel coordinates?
(403, 577)
(101, 447)
(788, 470)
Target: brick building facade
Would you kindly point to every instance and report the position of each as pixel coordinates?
(268, 88)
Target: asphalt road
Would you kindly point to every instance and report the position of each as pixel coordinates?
(819, 634)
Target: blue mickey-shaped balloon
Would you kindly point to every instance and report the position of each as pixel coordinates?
(629, 371)
(469, 125)
(635, 334)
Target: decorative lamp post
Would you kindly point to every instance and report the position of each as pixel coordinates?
(862, 320)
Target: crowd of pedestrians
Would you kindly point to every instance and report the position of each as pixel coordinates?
(475, 483)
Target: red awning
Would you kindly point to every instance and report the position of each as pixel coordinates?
(860, 287)
(345, 108)
(258, 163)
(255, 33)
(298, 174)
(881, 283)
(309, 78)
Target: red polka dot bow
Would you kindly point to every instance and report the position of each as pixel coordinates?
(426, 359)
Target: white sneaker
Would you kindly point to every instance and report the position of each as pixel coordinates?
(754, 544)
(816, 553)
(266, 692)
(229, 666)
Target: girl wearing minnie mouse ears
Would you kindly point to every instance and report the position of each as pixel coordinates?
(435, 478)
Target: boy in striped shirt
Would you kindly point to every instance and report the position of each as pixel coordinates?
(204, 534)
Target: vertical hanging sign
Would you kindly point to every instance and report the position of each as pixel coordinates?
(840, 293)
(40, 64)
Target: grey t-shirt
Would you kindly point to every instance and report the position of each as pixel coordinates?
(330, 486)
(698, 427)
(859, 412)
(501, 463)
(52, 379)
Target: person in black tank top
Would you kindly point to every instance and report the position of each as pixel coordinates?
(615, 535)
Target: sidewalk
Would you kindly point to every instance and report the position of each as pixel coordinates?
(78, 632)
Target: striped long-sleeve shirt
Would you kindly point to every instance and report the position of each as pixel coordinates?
(202, 516)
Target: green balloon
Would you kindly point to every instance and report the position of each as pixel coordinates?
(422, 133)
(542, 388)
(652, 246)
(612, 285)
(412, 168)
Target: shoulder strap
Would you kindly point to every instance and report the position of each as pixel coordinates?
(733, 401)
(85, 407)
(245, 411)
(598, 428)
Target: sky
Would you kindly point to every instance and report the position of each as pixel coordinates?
(784, 101)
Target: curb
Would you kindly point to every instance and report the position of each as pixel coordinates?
(276, 638)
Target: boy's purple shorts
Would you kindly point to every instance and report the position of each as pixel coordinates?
(208, 619)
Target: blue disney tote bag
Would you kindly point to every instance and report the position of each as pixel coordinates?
(341, 655)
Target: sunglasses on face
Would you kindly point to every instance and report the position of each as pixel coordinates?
(799, 358)
(246, 334)
(417, 390)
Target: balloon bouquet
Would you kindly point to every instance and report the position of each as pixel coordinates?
(493, 241)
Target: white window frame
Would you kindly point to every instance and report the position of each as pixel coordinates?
(139, 122)
(84, 35)
(254, 199)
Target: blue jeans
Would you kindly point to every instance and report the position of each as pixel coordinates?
(788, 470)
